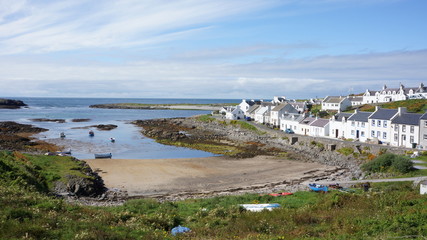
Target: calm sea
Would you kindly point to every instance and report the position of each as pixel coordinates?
(129, 144)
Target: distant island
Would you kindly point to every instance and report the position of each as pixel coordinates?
(11, 104)
(183, 106)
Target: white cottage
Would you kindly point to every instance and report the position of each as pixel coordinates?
(380, 124)
(335, 103)
(234, 113)
(357, 126)
(319, 128)
(405, 129)
(280, 110)
(338, 125)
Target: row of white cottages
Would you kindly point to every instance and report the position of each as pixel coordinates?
(394, 127)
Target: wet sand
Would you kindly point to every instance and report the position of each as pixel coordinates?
(159, 177)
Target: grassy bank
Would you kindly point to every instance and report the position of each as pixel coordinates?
(389, 210)
(392, 211)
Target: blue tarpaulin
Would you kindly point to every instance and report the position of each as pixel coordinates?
(179, 229)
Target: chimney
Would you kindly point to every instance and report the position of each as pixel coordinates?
(377, 108)
(401, 110)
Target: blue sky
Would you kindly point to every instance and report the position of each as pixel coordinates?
(210, 49)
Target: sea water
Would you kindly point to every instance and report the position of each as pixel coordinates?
(129, 144)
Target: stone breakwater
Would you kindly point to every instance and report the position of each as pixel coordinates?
(191, 129)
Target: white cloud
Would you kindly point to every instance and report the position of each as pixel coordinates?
(66, 25)
(320, 76)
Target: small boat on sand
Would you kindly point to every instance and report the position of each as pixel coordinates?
(62, 135)
(317, 187)
(103, 155)
(112, 139)
(91, 133)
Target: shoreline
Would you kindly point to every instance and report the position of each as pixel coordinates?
(201, 107)
(183, 178)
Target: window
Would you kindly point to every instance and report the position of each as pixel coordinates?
(373, 123)
(425, 136)
(352, 123)
(403, 138)
(379, 123)
(385, 124)
(362, 133)
(403, 128)
(411, 139)
(352, 132)
(395, 137)
(396, 127)
(372, 133)
(378, 134)
(425, 123)
(363, 124)
(384, 135)
(412, 129)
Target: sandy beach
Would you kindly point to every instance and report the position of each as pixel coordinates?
(159, 177)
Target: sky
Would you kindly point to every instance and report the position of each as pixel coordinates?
(231, 49)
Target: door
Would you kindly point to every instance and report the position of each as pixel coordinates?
(357, 133)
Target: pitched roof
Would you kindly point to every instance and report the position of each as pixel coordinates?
(356, 99)
(308, 120)
(333, 99)
(321, 122)
(253, 108)
(383, 114)
(407, 118)
(293, 117)
(340, 116)
(360, 116)
(424, 116)
(286, 107)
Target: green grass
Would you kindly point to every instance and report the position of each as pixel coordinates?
(205, 118)
(412, 105)
(388, 211)
(221, 149)
(38, 171)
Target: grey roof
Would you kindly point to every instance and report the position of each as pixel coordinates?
(253, 108)
(321, 122)
(293, 117)
(356, 99)
(424, 116)
(308, 120)
(333, 99)
(360, 116)
(383, 114)
(253, 102)
(340, 116)
(286, 107)
(407, 118)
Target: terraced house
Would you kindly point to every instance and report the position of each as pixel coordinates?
(405, 129)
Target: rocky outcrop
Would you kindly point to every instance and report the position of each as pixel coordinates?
(11, 104)
(14, 136)
(89, 185)
(105, 127)
(48, 120)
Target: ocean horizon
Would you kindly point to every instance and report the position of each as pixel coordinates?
(130, 143)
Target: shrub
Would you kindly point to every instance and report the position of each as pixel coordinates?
(388, 161)
(346, 151)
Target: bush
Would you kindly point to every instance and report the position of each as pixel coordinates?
(346, 151)
(388, 161)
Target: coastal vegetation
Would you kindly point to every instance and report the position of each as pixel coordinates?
(389, 210)
(175, 106)
(389, 162)
(412, 105)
